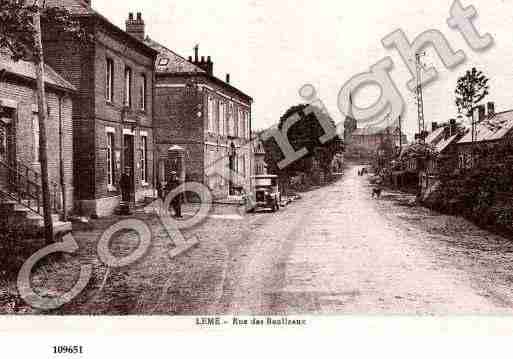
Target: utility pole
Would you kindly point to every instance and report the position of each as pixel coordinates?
(400, 135)
(420, 100)
(43, 117)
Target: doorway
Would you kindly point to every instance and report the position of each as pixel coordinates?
(7, 148)
(128, 161)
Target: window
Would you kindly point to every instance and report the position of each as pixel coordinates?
(109, 84)
(210, 119)
(216, 116)
(144, 158)
(235, 122)
(110, 159)
(128, 87)
(164, 61)
(242, 123)
(35, 130)
(222, 117)
(229, 120)
(143, 92)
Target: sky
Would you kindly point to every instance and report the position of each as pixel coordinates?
(272, 48)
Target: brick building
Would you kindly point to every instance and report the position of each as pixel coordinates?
(207, 117)
(19, 138)
(113, 113)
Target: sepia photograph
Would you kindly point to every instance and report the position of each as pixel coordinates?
(255, 164)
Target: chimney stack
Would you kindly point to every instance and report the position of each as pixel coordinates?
(206, 65)
(136, 27)
(452, 127)
(481, 113)
(491, 109)
(227, 78)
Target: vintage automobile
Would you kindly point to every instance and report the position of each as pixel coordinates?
(267, 194)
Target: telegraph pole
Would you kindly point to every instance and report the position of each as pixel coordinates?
(43, 118)
(420, 100)
(400, 135)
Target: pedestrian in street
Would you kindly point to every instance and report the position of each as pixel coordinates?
(176, 202)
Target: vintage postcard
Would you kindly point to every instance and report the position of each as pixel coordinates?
(254, 163)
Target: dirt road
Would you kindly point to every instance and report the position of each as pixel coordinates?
(339, 251)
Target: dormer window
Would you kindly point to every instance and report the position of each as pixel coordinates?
(163, 61)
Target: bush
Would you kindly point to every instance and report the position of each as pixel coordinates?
(477, 194)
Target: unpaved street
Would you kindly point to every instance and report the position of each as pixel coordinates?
(339, 251)
(335, 251)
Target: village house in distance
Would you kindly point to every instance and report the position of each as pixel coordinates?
(20, 168)
(208, 118)
(113, 110)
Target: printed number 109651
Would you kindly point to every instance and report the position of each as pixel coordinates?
(68, 349)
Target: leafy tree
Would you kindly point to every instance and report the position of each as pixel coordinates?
(471, 89)
(17, 31)
(20, 38)
(303, 134)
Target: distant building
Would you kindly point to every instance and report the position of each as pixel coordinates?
(260, 167)
(443, 139)
(371, 138)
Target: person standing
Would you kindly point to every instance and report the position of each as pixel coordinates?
(176, 201)
(125, 185)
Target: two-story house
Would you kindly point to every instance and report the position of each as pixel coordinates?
(113, 72)
(207, 117)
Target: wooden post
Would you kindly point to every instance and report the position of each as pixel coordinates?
(43, 117)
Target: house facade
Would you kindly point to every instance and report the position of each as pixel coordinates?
(20, 168)
(259, 166)
(207, 117)
(491, 129)
(113, 111)
(443, 139)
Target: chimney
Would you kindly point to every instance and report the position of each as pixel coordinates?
(206, 65)
(491, 108)
(452, 127)
(481, 112)
(227, 78)
(135, 27)
(434, 126)
(210, 66)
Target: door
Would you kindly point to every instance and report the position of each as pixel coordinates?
(6, 151)
(128, 161)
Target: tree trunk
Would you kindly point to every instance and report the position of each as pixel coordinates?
(43, 117)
